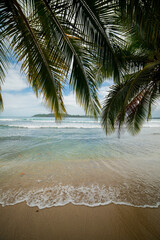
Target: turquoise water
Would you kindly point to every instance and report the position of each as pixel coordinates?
(50, 164)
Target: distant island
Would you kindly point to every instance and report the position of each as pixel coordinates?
(64, 115)
(71, 116)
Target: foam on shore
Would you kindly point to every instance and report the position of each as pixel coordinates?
(60, 195)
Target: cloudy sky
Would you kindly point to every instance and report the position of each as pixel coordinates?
(20, 100)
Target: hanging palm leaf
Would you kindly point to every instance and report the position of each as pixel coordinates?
(130, 103)
(30, 49)
(3, 65)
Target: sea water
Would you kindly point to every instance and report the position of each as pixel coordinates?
(47, 163)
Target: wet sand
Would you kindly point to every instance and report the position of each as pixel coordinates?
(112, 222)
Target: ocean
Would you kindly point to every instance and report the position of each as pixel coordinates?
(45, 164)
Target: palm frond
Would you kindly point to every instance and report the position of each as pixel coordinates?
(139, 109)
(3, 64)
(73, 51)
(112, 106)
(3, 58)
(140, 78)
(30, 49)
(130, 103)
(145, 16)
(99, 24)
(1, 101)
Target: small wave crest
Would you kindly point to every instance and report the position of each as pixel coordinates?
(61, 195)
(9, 119)
(69, 126)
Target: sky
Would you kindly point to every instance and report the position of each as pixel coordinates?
(20, 100)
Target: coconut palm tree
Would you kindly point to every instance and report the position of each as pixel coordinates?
(59, 42)
(129, 103)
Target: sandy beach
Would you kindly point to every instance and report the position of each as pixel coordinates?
(114, 222)
(54, 168)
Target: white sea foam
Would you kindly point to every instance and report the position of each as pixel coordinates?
(85, 123)
(9, 119)
(53, 121)
(52, 126)
(42, 121)
(60, 195)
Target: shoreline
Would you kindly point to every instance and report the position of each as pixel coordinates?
(84, 205)
(117, 222)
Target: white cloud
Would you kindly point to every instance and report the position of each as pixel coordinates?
(28, 104)
(19, 103)
(72, 106)
(103, 91)
(156, 109)
(22, 104)
(14, 81)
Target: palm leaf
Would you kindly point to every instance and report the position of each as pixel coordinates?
(98, 23)
(145, 16)
(31, 51)
(130, 103)
(72, 50)
(140, 108)
(138, 79)
(3, 64)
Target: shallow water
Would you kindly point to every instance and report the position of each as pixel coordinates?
(51, 164)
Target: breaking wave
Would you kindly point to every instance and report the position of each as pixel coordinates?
(51, 126)
(61, 195)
